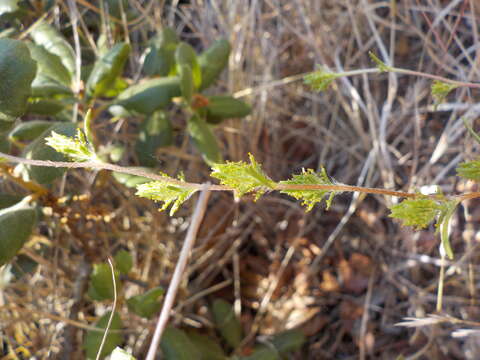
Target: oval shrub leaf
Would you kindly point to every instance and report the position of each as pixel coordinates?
(94, 338)
(176, 345)
(148, 304)
(186, 82)
(44, 86)
(212, 62)
(160, 58)
(17, 71)
(101, 282)
(204, 140)
(155, 132)
(46, 107)
(150, 95)
(50, 65)
(223, 107)
(185, 55)
(29, 130)
(227, 323)
(107, 69)
(16, 224)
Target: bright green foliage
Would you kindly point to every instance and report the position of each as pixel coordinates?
(310, 197)
(469, 170)
(77, 149)
(185, 55)
(380, 64)
(223, 107)
(167, 192)
(440, 90)
(123, 261)
(160, 58)
(148, 304)
(213, 60)
(227, 322)
(204, 139)
(321, 79)
(418, 213)
(17, 71)
(243, 177)
(49, 64)
(94, 338)
(101, 282)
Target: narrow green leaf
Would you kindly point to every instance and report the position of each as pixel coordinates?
(223, 107)
(129, 180)
(310, 197)
(204, 139)
(17, 71)
(176, 345)
(440, 90)
(148, 304)
(321, 79)
(150, 95)
(107, 69)
(227, 323)
(469, 170)
(160, 58)
(186, 82)
(167, 192)
(50, 38)
(185, 55)
(213, 61)
(443, 226)
(16, 224)
(243, 177)
(94, 338)
(418, 213)
(155, 132)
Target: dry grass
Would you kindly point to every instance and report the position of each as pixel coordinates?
(345, 276)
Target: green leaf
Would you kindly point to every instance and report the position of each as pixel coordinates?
(227, 323)
(469, 170)
(7, 200)
(440, 90)
(243, 177)
(167, 192)
(186, 82)
(155, 132)
(185, 55)
(160, 58)
(204, 140)
(50, 38)
(44, 86)
(16, 224)
(263, 353)
(123, 261)
(418, 213)
(4, 143)
(50, 65)
(107, 69)
(120, 354)
(443, 225)
(101, 282)
(207, 347)
(176, 345)
(288, 341)
(310, 197)
(39, 150)
(77, 149)
(46, 107)
(471, 131)
(29, 130)
(129, 180)
(223, 107)
(148, 304)
(114, 338)
(380, 64)
(321, 79)
(213, 61)
(150, 95)
(17, 71)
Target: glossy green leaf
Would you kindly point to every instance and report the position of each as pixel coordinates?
(150, 95)
(101, 282)
(185, 55)
(16, 224)
(107, 69)
(44, 86)
(155, 132)
(29, 130)
(114, 338)
(123, 261)
(208, 348)
(186, 82)
(204, 140)
(176, 345)
(160, 58)
(17, 71)
(49, 64)
(148, 304)
(46, 107)
(53, 41)
(227, 323)
(213, 61)
(223, 107)
(39, 150)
